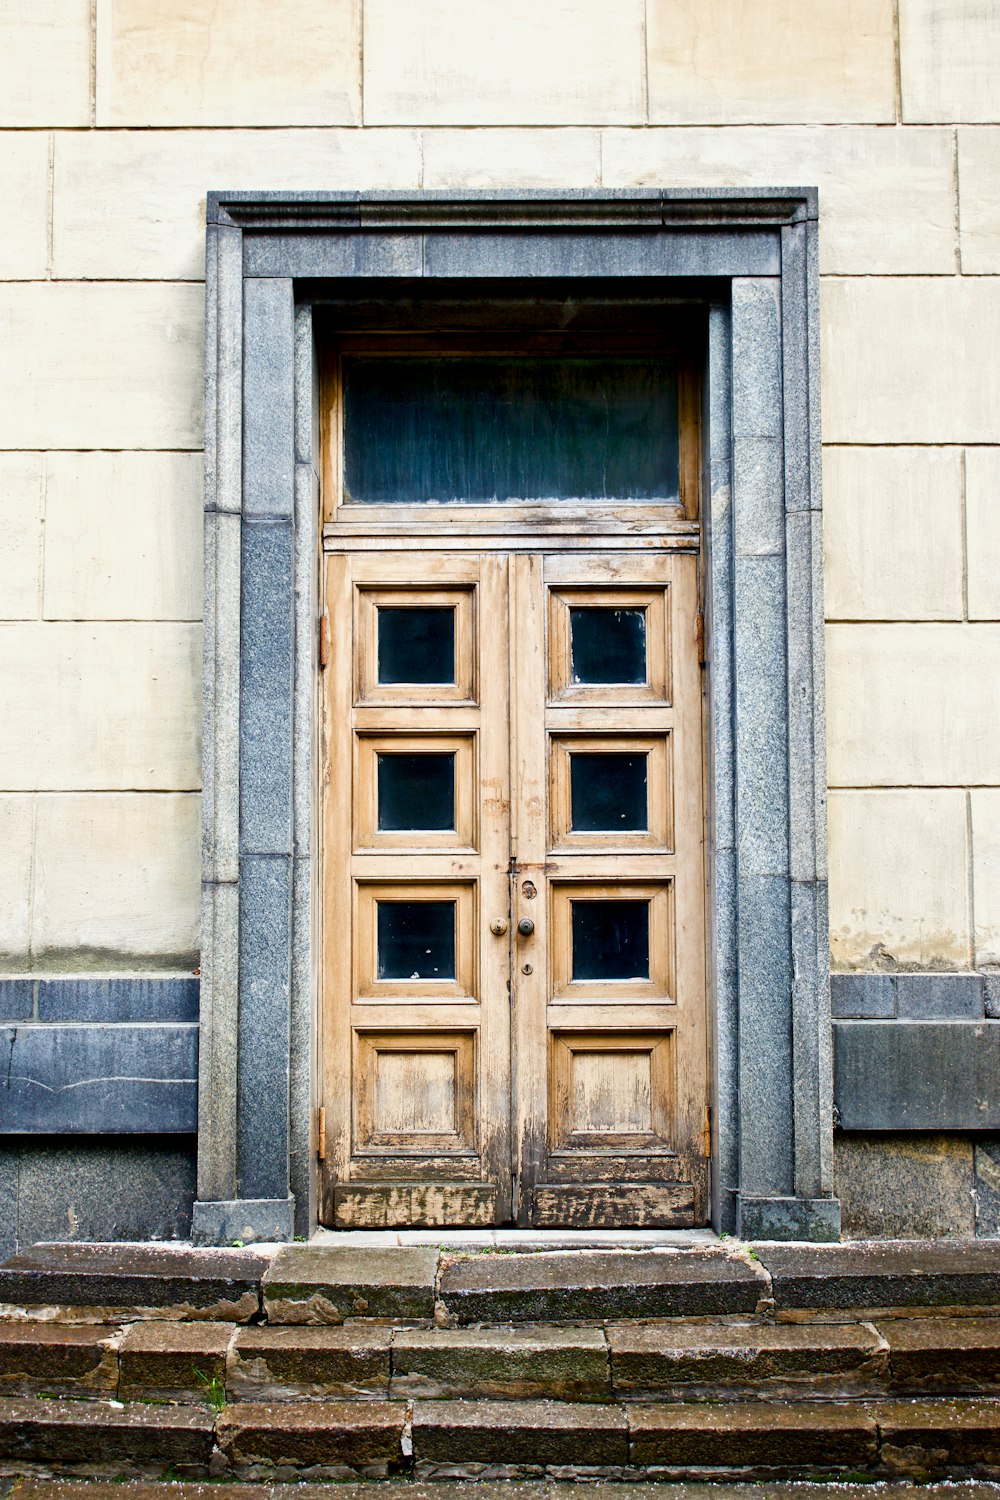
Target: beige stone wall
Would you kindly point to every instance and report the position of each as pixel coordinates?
(117, 115)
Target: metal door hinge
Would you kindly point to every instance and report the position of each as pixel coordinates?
(706, 1132)
(699, 636)
(321, 1134)
(324, 640)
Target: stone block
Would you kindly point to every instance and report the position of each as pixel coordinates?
(943, 1354)
(123, 536)
(24, 171)
(16, 854)
(458, 62)
(564, 253)
(936, 1436)
(17, 999)
(892, 531)
(164, 1282)
(235, 1221)
(773, 63)
(991, 995)
(645, 1284)
(268, 397)
(784, 1217)
(266, 686)
(280, 1364)
(916, 1273)
(886, 196)
(909, 359)
(354, 1433)
(987, 1188)
(118, 1000)
(322, 255)
(759, 496)
(764, 1030)
(130, 203)
(518, 1432)
(99, 705)
(904, 1186)
(898, 879)
(218, 1053)
(913, 705)
(677, 1357)
(89, 1432)
(510, 158)
(45, 63)
(100, 1080)
(169, 62)
(939, 997)
(86, 365)
(982, 486)
(756, 325)
(161, 1361)
(56, 1360)
(979, 200)
(743, 1434)
(949, 57)
(917, 1075)
(221, 697)
(760, 625)
(864, 997)
(116, 882)
(264, 998)
(88, 1188)
(9, 1162)
(567, 1364)
(313, 1284)
(21, 490)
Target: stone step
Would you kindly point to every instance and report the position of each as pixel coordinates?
(438, 1439)
(502, 1489)
(104, 1434)
(325, 1284)
(106, 1283)
(570, 1285)
(209, 1362)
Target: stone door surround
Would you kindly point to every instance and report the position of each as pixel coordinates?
(748, 258)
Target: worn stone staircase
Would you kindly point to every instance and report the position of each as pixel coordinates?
(323, 1362)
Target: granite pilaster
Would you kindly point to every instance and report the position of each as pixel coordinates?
(268, 396)
(263, 1031)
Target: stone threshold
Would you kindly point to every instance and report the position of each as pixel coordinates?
(517, 1239)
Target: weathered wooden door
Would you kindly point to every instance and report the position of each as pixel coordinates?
(513, 902)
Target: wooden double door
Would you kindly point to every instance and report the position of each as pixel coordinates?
(513, 1009)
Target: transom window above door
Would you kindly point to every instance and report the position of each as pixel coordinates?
(550, 423)
(482, 429)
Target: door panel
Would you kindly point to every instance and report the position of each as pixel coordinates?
(513, 924)
(609, 986)
(417, 1047)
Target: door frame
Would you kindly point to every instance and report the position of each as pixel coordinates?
(748, 258)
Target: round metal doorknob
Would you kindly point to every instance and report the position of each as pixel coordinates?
(498, 927)
(526, 927)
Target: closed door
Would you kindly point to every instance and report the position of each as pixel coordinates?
(513, 1008)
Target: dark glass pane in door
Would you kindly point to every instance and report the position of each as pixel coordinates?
(416, 791)
(608, 645)
(480, 430)
(416, 940)
(610, 939)
(608, 793)
(416, 644)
